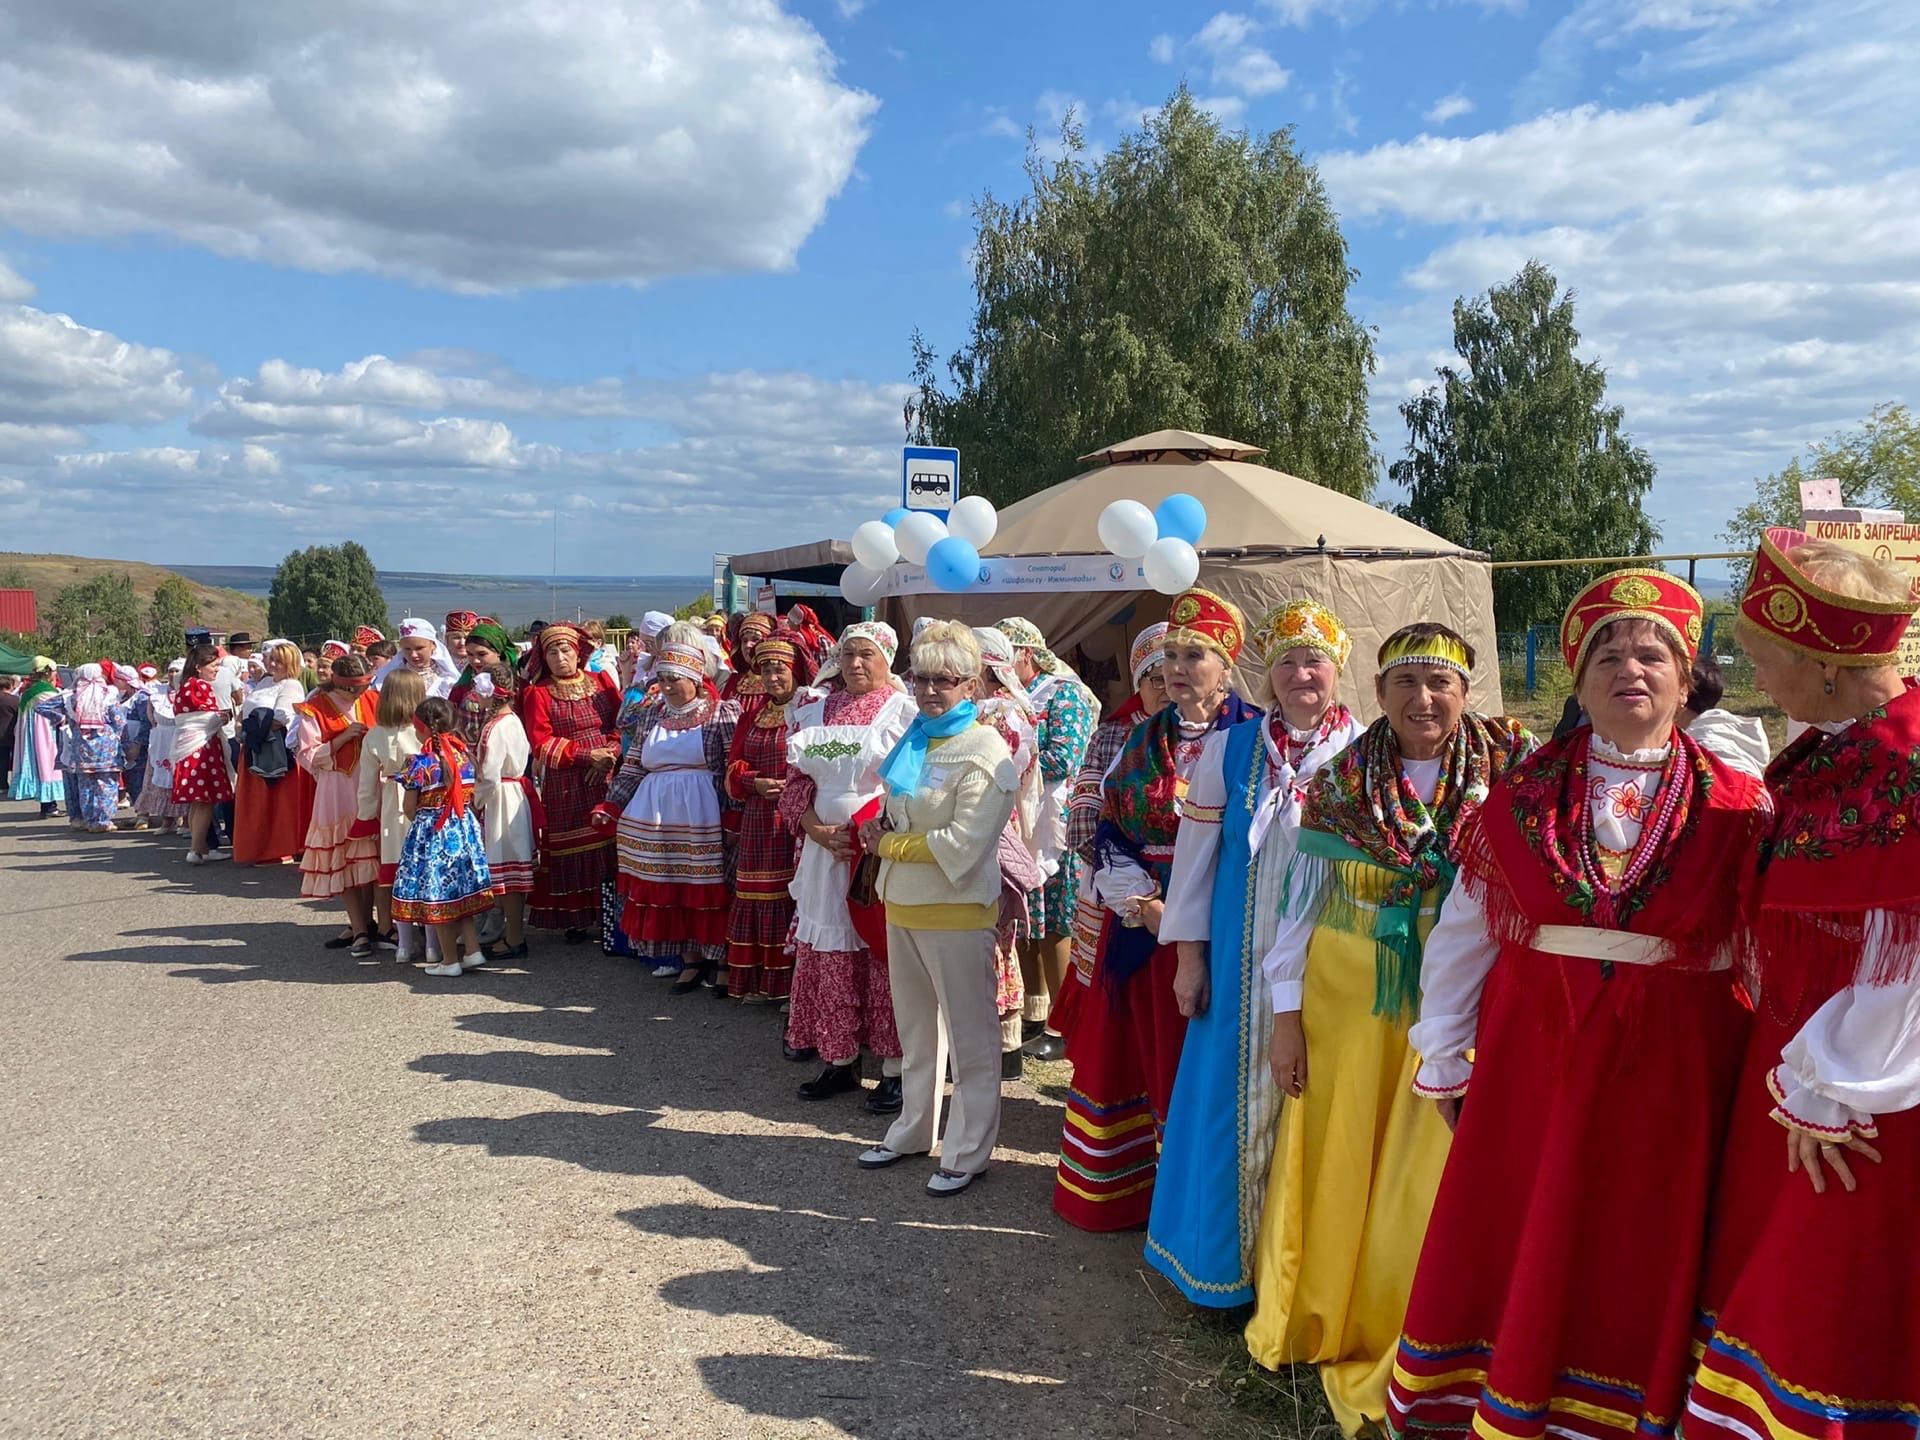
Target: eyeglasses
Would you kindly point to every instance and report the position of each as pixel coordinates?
(938, 682)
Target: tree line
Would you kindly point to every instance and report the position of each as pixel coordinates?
(1196, 278)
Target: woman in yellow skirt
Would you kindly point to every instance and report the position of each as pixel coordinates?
(1359, 1155)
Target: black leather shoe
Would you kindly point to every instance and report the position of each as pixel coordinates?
(832, 1081)
(885, 1099)
(1011, 1065)
(799, 1056)
(1046, 1046)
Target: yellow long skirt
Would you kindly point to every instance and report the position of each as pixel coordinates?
(1355, 1168)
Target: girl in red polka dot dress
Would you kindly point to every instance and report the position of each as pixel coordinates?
(201, 779)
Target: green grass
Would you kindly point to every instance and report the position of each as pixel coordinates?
(1231, 1397)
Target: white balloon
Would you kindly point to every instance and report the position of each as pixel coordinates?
(860, 585)
(917, 534)
(1128, 528)
(1170, 565)
(874, 545)
(974, 520)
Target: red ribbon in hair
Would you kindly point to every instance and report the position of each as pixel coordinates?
(451, 751)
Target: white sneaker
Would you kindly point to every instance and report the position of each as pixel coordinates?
(660, 972)
(219, 855)
(194, 857)
(447, 970)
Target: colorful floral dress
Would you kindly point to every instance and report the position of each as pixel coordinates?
(443, 876)
(1067, 713)
(96, 764)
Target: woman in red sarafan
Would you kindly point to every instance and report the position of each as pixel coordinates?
(1586, 958)
(1813, 1277)
(759, 964)
(569, 716)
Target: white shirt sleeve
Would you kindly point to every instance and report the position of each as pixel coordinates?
(1457, 957)
(1857, 1056)
(1196, 846)
(1285, 963)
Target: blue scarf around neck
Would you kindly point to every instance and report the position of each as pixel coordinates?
(901, 769)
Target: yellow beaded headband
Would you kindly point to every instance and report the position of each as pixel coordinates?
(1441, 650)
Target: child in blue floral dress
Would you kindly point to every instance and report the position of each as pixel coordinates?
(443, 879)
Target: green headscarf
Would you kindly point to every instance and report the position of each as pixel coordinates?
(493, 635)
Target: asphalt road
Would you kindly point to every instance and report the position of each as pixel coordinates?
(253, 1187)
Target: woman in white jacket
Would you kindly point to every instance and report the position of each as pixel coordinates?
(507, 803)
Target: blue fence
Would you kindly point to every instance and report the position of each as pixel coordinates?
(1530, 663)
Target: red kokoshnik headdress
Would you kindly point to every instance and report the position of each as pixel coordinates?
(1784, 606)
(1668, 602)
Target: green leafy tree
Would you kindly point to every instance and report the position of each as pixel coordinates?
(1517, 452)
(1878, 466)
(12, 577)
(95, 618)
(694, 609)
(171, 611)
(326, 590)
(619, 622)
(1190, 278)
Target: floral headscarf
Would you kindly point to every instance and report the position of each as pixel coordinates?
(1303, 625)
(876, 633)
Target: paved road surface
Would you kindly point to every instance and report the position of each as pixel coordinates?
(249, 1187)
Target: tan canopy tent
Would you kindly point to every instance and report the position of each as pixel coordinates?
(1271, 537)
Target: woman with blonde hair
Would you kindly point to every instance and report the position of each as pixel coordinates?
(1812, 1281)
(386, 752)
(270, 816)
(950, 786)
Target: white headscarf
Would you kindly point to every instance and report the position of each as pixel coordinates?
(996, 657)
(444, 671)
(653, 622)
(91, 696)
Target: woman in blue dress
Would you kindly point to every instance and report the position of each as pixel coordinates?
(442, 879)
(94, 719)
(1239, 824)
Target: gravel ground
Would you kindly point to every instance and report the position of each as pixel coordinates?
(252, 1187)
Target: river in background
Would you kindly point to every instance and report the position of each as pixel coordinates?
(511, 599)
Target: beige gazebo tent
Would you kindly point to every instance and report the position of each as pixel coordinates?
(1271, 537)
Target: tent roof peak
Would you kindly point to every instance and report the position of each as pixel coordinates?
(1171, 447)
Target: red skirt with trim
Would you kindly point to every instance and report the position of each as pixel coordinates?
(1125, 1050)
(661, 917)
(1815, 1298)
(1556, 1288)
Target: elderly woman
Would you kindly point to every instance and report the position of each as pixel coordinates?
(1239, 825)
(1358, 1157)
(664, 807)
(1146, 662)
(950, 786)
(759, 967)
(1813, 1280)
(95, 717)
(1125, 1031)
(569, 717)
(270, 816)
(1582, 961)
(841, 1002)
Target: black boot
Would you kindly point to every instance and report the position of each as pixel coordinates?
(885, 1099)
(1045, 1046)
(1011, 1067)
(799, 1054)
(832, 1081)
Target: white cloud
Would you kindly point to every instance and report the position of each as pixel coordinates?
(55, 370)
(1746, 258)
(484, 144)
(33, 444)
(1160, 49)
(14, 287)
(1449, 107)
(1239, 66)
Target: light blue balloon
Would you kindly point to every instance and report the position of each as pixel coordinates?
(1181, 517)
(953, 564)
(896, 515)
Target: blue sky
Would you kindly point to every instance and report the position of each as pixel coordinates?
(415, 274)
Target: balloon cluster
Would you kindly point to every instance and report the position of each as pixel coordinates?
(950, 549)
(1161, 539)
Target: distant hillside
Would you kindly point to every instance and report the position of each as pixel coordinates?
(219, 609)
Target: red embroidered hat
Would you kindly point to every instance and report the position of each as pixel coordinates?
(366, 635)
(1654, 595)
(1200, 617)
(1784, 606)
(459, 622)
